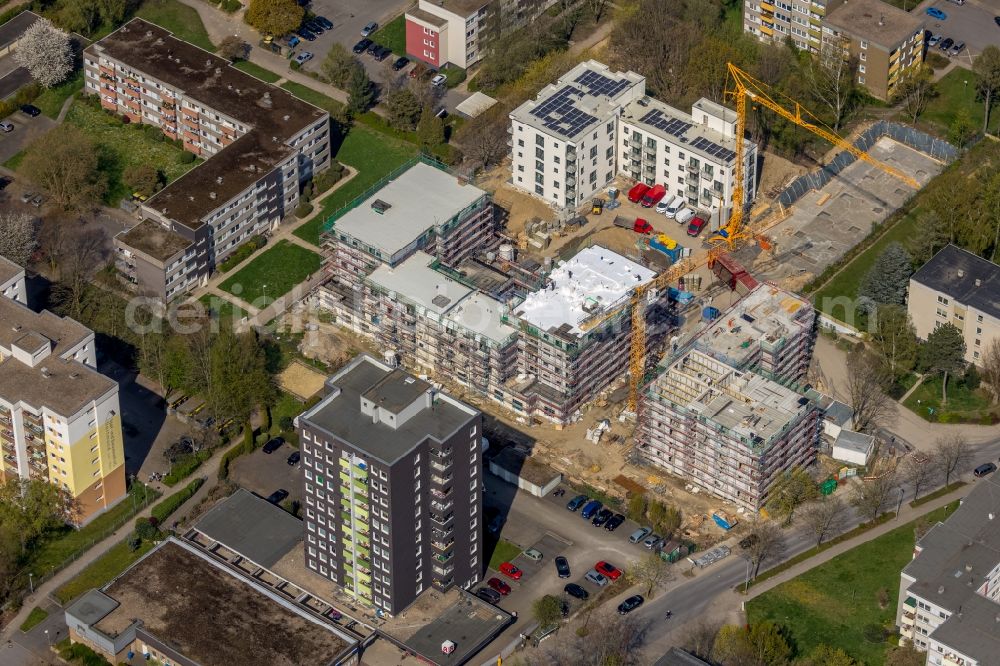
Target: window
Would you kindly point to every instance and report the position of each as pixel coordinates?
(979, 342)
(864, 44)
(539, 177)
(863, 57)
(861, 80)
(539, 154)
(539, 166)
(861, 69)
(943, 301)
(520, 143)
(539, 140)
(539, 190)
(979, 319)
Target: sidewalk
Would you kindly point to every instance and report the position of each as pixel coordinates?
(906, 515)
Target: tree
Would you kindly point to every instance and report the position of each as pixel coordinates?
(866, 379)
(933, 232)
(919, 474)
(663, 518)
(905, 655)
(274, 17)
(824, 655)
(761, 644)
(962, 129)
(338, 65)
(887, 281)
(113, 12)
(233, 48)
(239, 379)
(597, 8)
(74, 291)
(951, 454)
(943, 353)
(361, 92)
(987, 67)
(831, 74)
(616, 644)
(142, 178)
(764, 540)
(894, 339)
(430, 129)
(792, 489)
(990, 371)
(46, 52)
(547, 610)
(699, 637)
(17, 237)
(824, 518)
(650, 572)
(403, 109)
(870, 495)
(31, 507)
(914, 90)
(636, 507)
(64, 163)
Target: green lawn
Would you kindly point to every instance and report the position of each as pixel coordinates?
(35, 618)
(273, 273)
(837, 601)
(258, 71)
(121, 146)
(54, 551)
(393, 35)
(220, 308)
(51, 101)
(101, 571)
(314, 97)
(287, 406)
(505, 551)
(179, 19)
(374, 156)
(15, 160)
(963, 405)
(953, 93)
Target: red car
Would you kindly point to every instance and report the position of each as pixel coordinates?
(509, 570)
(697, 224)
(498, 585)
(608, 570)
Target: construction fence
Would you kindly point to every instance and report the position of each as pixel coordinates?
(908, 136)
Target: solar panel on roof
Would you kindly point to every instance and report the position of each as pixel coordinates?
(598, 84)
(559, 112)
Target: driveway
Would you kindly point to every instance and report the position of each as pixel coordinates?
(263, 473)
(971, 23)
(348, 17)
(26, 130)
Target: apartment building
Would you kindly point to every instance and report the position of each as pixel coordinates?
(423, 208)
(731, 432)
(949, 594)
(393, 472)
(12, 283)
(60, 419)
(778, 20)
(592, 124)
(458, 32)
(886, 42)
(960, 288)
(259, 141)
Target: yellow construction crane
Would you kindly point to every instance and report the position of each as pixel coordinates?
(743, 88)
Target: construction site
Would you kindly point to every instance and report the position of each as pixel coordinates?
(626, 356)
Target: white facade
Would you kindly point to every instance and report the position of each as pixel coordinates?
(12, 281)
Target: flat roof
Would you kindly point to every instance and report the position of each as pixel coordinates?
(9, 271)
(17, 319)
(524, 466)
(973, 631)
(482, 315)
(272, 115)
(464, 8)
(213, 616)
(876, 21)
(92, 606)
(475, 104)
(655, 117)
(593, 280)
(253, 527)
(854, 441)
(153, 239)
(678, 657)
(61, 385)
(586, 95)
(455, 616)
(420, 198)
(427, 17)
(340, 414)
(12, 30)
(965, 277)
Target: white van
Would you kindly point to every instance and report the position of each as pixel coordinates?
(684, 215)
(675, 205)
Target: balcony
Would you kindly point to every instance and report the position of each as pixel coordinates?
(441, 480)
(441, 466)
(692, 190)
(445, 571)
(441, 519)
(442, 507)
(443, 558)
(442, 495)
(692, 167)
(443, 545)
(444, 582)
(707, 174)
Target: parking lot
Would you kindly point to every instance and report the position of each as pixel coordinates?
(26, 130)
(263, 473)
(971, 23)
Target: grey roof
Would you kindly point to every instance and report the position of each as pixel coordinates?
(91, 607)
(838, 412)
(64, 386)
(876, 21)
(9, 270)
(253, 527)
(854, 441)
(340, 414)
(16, 320)
(420, 198)
(678, 657)
(396, 391)
(12, 30)
(974, 631)
(965, 277)
(154, 240)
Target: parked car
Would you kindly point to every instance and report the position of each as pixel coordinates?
(946, 44)
(596, 578)
(314, 27)
(362, 46)
(575, 503)
(509, 570)
(323, 21)
(306, 34)
(498, 585)
(957, 2)
(294, 458)
(602, 516)
(936, 13)
(495, 524)
(27, 196)
(439, 80)
(533, 554)
(382, 53)
(273, 445)
(607, 569)
(996, 19)
(31, 110)
(400, 63)
(488, 595)
(615, 522)
(697, 224)
(684, 216)
(639, 535)
(956, 49)
(675, 205)
(369, 29)
(418, 70)
(592, 507)
(6, 126)
(373, 48)
(651, 540)
(630, 604)
(562, 567)
(933, 40)
(303, 57)
(574, 590)
(277, 496)
(985, 469)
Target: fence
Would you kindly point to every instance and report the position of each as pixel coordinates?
(909, 136)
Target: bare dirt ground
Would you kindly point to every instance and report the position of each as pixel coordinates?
(301, 381)
(520, 206)
(775, 174)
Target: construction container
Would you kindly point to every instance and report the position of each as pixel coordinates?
(710, 313)
(666, 245)
(724, 520)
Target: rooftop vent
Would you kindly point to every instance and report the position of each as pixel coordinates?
(208, 63)
(149, 33)
(979, 283)
(380, 206)
(961, 273)
(440, 300)
(74, 375)
(286, 117)
(211, 195)
(45, 373)
(219, 180)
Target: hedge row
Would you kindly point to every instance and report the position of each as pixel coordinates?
(163, 510)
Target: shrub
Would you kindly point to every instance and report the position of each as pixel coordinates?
(185, 466)
(186, 157)
(241, 253)
(230, 6)
(146, 529)
(162, 511)
(327, 179)
(303, 209)
(295, 65)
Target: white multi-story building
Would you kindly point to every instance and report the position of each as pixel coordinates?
(592, 124)
(949, 594)
(12, 281)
